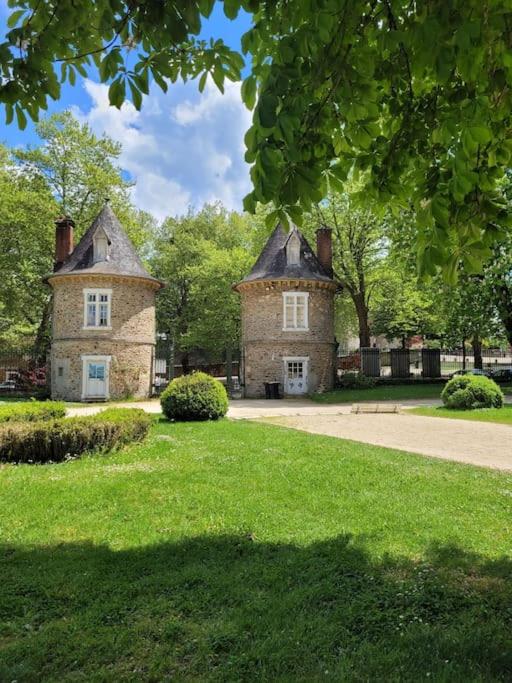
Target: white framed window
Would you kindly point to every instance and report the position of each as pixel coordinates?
(295, 311)
(97, 308)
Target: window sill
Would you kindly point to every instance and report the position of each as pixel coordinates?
(295, 329)
(95, 329)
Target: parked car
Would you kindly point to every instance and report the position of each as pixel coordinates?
(8, 385)
(472, 371)
(502, 375)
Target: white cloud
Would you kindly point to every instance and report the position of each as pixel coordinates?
(184, 148)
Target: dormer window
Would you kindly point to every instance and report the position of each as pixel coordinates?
(100, 246)
(293, 250)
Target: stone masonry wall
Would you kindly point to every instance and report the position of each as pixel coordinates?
(133, 308)
(265, 344)
(130, 368)
(130, 341)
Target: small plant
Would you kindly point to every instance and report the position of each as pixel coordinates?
(70, 437)
(468, 392)
(356, 380)
(194, 397)
(32, 411)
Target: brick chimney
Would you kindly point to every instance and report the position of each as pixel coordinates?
(324, 248)
(63, 240)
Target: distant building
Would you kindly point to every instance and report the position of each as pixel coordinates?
(287, 305)
(103, 323)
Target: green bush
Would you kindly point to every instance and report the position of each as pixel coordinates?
(70, 437)
(356, 380)
(194, 397)
(467, 392)
(32, 411)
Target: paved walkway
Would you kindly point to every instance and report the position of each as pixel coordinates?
(251, 408)
(476, 443)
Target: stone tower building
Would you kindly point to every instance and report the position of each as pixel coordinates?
(288, 316)
(103, 329)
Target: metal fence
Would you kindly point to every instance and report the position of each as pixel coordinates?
(411, 363)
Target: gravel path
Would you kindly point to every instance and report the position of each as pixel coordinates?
(476, 443)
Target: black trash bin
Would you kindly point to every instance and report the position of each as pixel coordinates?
(272, 390)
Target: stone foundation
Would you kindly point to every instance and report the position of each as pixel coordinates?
(262, 364)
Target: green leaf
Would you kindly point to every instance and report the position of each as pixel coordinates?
(117, 92)
(249, 203)
(218, 77)
(9, 113)
(480, 134)
(136, 95)
(21, 118)
(249, 92)
(202, 81)
(15, 17)
(206, 7)
(231, 8)
(267, 110)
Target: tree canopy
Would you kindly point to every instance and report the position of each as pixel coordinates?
(413, 98)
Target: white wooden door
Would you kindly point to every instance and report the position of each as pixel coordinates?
(296, 376)
(96, 379)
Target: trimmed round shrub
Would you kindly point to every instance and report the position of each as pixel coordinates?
(32, 411)
(54, 441)
(194, 397)
(467, 392)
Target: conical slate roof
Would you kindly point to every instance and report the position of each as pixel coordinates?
(272, 263)
(122, 258)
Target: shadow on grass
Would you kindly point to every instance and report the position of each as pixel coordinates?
(234, 608)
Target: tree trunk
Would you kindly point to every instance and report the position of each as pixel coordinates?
(505, 310)
(43, 335)
(362, 318)
(476, 343)
(404, 341)
(170, 358)
(185, 363)
(229, 370)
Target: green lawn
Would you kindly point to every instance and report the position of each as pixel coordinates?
(501, 415)
(236, 551)
(387, 392)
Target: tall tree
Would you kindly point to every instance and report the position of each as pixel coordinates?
(472, 314)
(196, 256)
(415, 98)
(404, 308)
(359, 250)
(27, 238)
(71, 171)
(80, 168)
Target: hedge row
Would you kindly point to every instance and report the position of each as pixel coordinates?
(65, 438)
(32, 411)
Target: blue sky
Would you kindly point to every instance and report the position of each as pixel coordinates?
(183, 149)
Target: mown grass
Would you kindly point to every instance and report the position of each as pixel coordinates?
(387, 392)
(241, 551)
(500, 415)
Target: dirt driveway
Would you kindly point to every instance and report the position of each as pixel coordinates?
(476, 443)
